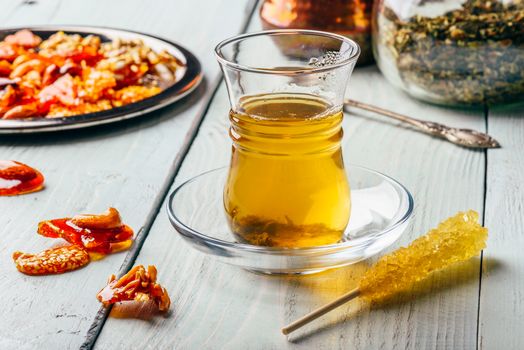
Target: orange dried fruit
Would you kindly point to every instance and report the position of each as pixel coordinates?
(138, 285)
(51, 261)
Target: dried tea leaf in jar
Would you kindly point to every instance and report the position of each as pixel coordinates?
(454, 52)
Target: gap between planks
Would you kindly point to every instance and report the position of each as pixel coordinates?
(103, 313)
(484, 204)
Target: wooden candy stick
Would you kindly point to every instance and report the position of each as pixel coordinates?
(321, 311)
(456, 239)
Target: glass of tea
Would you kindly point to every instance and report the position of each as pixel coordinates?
(287, 186)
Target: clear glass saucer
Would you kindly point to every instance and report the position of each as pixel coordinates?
(381, 209)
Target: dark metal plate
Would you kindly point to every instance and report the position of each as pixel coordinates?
(187, 80)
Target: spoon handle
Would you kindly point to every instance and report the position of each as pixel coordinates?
(462, 137)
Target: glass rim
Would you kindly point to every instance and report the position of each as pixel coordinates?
(240, 67)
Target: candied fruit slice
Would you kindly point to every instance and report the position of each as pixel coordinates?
(94, 240)
(138, 285)
(102, 234)
(17, 178)
(456, 239)
(51, 261)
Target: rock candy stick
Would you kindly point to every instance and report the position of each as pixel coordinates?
(456, 239)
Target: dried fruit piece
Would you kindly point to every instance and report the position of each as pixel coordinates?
(68, 74)
(109, 219)
(21, 111)
(7, 51)
(139, 285)
(51, 261)
(23, 68)
(5, 70)
(24, 38)
(456, 239)
(61, 91)
(135, 93)
(103, 234)
(17, 178)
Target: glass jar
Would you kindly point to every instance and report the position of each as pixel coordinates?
(452, 52)
(351, 18)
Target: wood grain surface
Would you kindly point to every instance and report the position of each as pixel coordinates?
(501, 318)
(133, 165)
(217, 306)
(127, 166)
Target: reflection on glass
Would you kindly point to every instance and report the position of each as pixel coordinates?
(351, 18)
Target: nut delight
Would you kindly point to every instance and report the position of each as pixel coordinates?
(138, 285)
(67, 74)
(91, 236)
(51, 261)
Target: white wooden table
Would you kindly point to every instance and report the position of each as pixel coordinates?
(133, 165)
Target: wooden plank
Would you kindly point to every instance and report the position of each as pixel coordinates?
(501, 317)
(219, 306)
(127, 166)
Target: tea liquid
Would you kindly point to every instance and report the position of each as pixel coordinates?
(287, 186)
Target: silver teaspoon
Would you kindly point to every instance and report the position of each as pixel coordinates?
(462, 137)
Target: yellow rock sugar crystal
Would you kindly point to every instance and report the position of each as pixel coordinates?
(456, 239)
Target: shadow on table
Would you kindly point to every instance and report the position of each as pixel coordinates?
(145, 311)
(113, 129)
(440, 282)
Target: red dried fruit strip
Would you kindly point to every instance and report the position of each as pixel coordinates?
(51, 261)
(17, 171)
(104, 241)
(17, 178)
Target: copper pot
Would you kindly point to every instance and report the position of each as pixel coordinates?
(351, 18)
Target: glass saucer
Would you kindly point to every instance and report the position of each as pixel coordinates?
(380, 210)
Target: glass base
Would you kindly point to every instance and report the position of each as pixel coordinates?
(381, 209)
